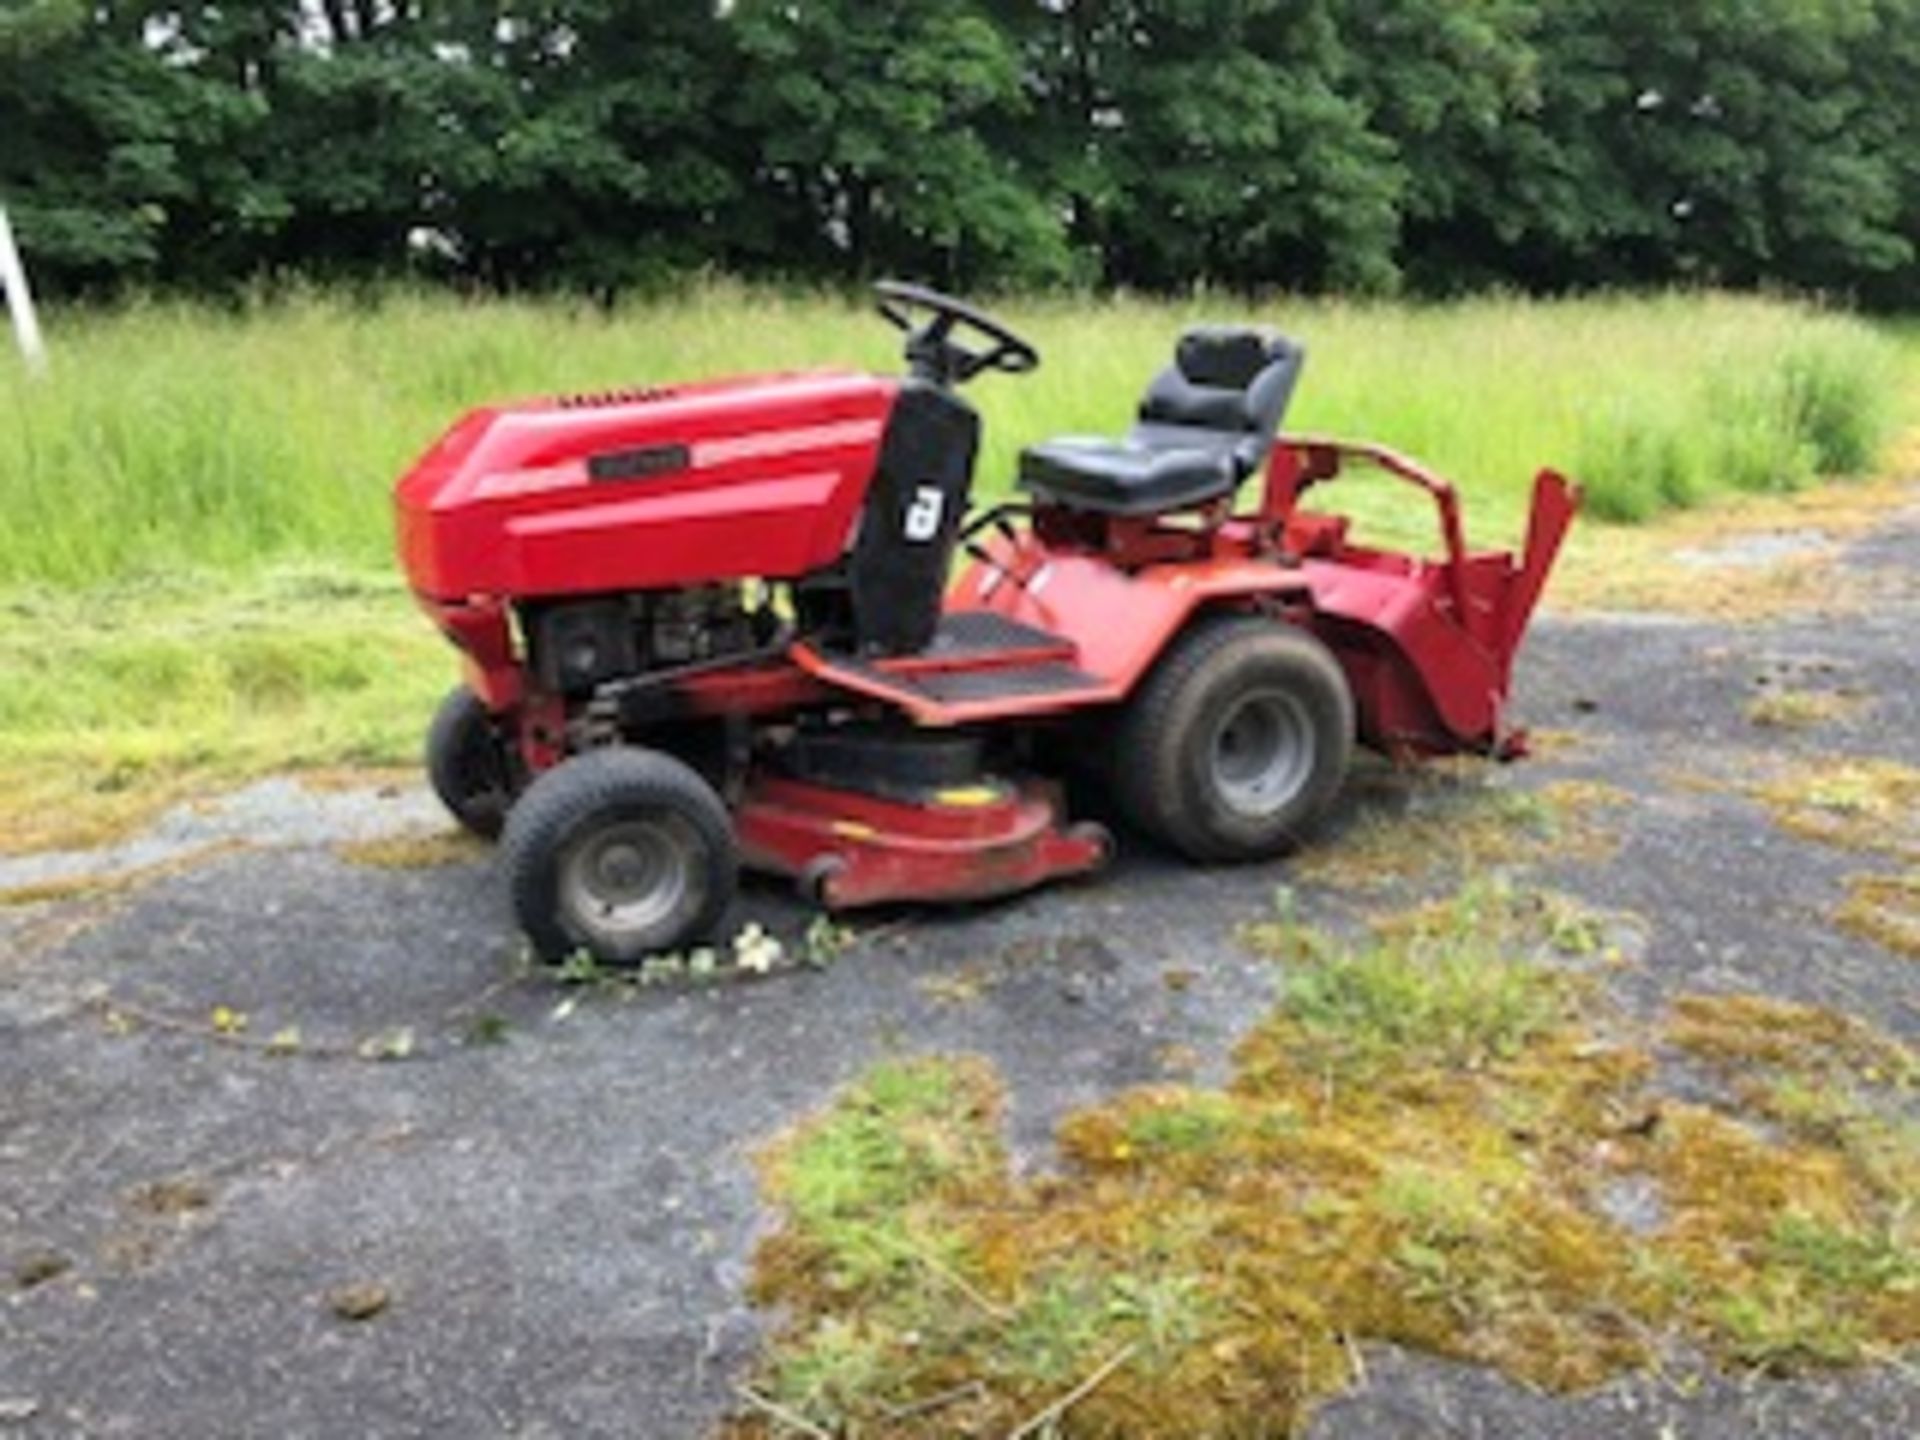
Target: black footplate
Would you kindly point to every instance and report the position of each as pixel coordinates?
(966, 687)
(975, 658)
(982, 632)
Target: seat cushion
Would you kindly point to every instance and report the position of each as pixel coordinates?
(1128, 477)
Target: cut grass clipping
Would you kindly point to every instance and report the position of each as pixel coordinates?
(1443, 1138)
(414, 851)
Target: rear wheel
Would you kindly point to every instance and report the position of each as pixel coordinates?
(1237, 742)
(620, 853)
(469, 765)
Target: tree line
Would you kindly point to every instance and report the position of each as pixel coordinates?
(1430, 146)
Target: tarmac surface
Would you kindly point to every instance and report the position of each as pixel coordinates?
(546, 1193)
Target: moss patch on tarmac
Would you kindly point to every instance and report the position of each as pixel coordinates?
(1453, 820)
(1427, 1141)
(1884, 909)
(1871, 806)
(1793, 709)
(1849, 802)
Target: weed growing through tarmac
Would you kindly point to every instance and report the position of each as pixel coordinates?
(489, 1029)
(1422, 1144)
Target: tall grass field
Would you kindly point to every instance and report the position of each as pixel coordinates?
(196, 578)
(171, 436)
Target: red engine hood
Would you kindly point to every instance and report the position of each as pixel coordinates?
(644, 489)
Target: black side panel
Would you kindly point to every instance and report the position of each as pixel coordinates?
(885, 761)
(913, 512)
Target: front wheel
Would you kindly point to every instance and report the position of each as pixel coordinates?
(1237, 741)
(470, 766)
(621, 853)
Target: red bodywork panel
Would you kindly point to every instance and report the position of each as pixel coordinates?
(757, 477)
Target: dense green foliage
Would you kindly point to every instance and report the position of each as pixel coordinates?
(1312, 144)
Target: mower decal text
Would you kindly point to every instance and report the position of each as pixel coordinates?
(639, 464)
(708, 453)
(923, 516)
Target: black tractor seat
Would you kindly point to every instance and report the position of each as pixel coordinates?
(1128, 476)
(1206, 423)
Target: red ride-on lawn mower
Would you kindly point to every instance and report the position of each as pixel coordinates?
(710, 625)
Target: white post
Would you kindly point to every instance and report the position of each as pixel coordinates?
(13, 280)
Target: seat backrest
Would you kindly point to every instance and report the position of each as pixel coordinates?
(1234, 381)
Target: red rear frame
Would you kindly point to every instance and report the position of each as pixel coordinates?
(1427, 645)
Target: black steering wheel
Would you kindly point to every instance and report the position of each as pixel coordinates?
(932, 352)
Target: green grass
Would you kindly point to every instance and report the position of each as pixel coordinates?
(173, 435)
(1449, 992)
(125, 697)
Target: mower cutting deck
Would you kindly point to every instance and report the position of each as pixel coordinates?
(710, 625)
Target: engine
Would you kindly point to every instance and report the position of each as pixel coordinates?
(575, 646)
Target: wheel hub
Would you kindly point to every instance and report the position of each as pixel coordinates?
(623, 879)
(1262, 752)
